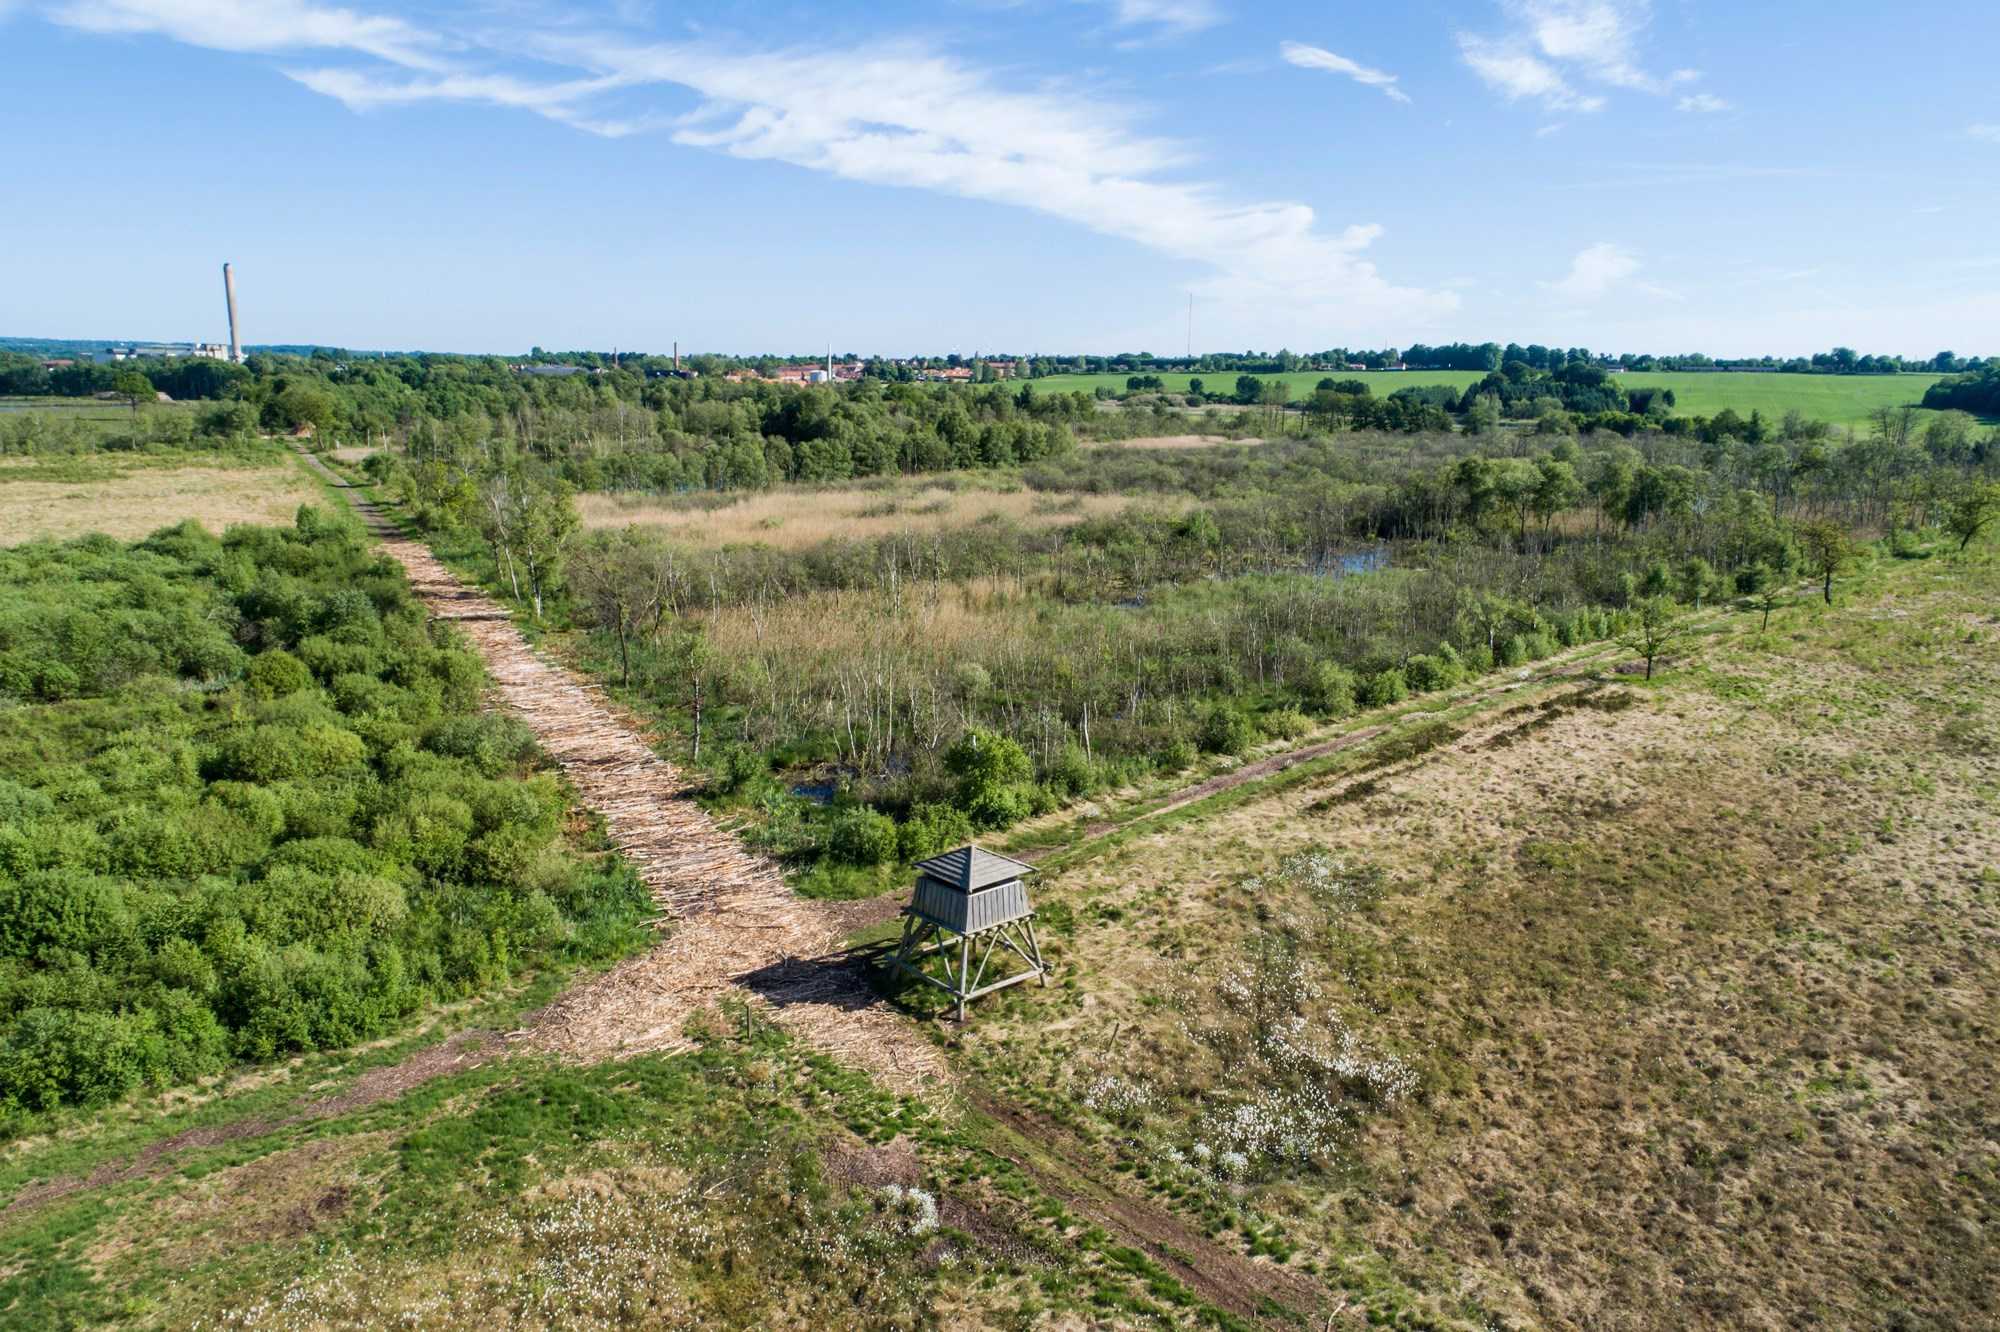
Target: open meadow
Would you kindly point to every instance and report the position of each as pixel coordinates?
(1841, 400)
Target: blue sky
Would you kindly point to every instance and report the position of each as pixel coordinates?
(1053, 175)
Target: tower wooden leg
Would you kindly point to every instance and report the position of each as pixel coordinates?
(964, 973)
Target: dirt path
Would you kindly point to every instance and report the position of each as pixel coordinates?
(739, 929)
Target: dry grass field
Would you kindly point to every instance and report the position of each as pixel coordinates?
(1660, 1006)
(133, 503)
(1177, 442)
(792, 518)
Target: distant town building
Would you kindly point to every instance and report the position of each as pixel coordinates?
(551, 371)
(160, 351)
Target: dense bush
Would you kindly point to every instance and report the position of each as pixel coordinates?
(1385, 687)
(994, 778)
(268, 817)
(860, 836)
(1227, 730)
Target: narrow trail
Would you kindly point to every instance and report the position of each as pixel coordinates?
(738, 929)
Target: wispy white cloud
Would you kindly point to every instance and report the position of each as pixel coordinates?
(268, 26)
(906, 116)
(1595, 35)
(1595, 271)
(1706, 104)
(882, 113)
(562, 101)
(1515, 74)
(1554, 49)
(1990, 133)
(1555, 127)
(1174, 16)
(1314, 57)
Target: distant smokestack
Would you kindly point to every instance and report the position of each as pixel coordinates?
(229, 292)
(677, 355)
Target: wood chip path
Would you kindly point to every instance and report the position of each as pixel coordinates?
(738, 929)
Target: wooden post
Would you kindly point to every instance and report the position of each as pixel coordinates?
(964, 955)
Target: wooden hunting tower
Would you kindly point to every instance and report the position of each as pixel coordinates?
(968, 905)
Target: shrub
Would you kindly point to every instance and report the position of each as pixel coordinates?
(993, 775)
(931, 830)
(55, 1056)
(1226, 730)
(1384, 688)
(1177, 755)
(862, 837)
(59, 908)
(1071, 774)
(1286, 724)
(277, 673)
(491, 742)
(1428, 674)
(1330, 690)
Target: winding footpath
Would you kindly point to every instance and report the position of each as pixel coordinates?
(737, 929)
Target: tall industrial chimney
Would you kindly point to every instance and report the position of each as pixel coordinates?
(229, 291)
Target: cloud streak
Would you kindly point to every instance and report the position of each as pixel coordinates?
(1175, 16)
(268, 26)
(1563, 53)
(1314, 57)
(1704, 104)
(887, 114)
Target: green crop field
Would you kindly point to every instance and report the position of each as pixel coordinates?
(1840, 399)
